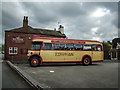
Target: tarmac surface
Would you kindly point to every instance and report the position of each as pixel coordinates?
(9, 79)
(98, 75)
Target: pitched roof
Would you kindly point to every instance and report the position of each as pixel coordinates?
(38, 31)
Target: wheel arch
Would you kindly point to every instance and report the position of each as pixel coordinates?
(87, 56)
(35, 55)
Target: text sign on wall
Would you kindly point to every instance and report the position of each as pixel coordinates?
(18, 39)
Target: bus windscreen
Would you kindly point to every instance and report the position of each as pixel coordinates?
(36, 45)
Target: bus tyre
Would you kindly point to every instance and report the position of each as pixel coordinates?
(34, 61)
(86, 61)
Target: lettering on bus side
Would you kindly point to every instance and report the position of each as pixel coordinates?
(64, 54)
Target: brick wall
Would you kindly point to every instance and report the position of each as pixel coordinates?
(22, 47)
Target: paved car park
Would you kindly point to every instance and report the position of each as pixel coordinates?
(97, 75)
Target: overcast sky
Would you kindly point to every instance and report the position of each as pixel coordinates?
(81, 20)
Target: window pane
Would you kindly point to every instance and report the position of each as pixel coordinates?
(69, 47)
(13, 50)
(48, 46)
(36, 45)
(87, 47)
(78, 46)
(94, 47)
(113, 54)
(10, 48)
(10, 52)
(59, 46)
(99, 48)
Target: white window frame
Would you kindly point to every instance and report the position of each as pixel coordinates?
(13, 48)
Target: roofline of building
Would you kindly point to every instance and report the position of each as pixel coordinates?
(30, 27)
(36, 33)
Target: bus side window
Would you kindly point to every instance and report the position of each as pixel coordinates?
(99, 48)
(78, 47)
(87, 47)
(48, 46)
(94, 47)
(59, 46)
(68, 46)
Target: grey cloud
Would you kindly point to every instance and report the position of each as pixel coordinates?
(113, 6)
(73, 16)
(71, 10)
(41, 13)
(119, 19)
(9, 21)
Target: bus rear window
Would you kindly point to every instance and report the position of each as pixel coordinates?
(36, 45)
(99, 48)
(94, 47)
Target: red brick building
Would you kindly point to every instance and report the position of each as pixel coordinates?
(19, 40)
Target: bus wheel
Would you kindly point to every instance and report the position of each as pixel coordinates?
(86, 61)
(34, 61)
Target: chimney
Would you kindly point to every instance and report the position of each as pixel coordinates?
(54, 29)
(25, 22)
(61, 29)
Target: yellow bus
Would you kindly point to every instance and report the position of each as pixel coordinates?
(56, 50)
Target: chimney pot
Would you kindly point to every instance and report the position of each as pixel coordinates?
(54, 29)
(61, 29)
(25, 22)
(24, 18)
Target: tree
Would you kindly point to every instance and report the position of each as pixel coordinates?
(109, 42)
(3, 47)
(106, 46)
(0, 48)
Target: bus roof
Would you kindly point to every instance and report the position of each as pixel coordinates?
(37, 38)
